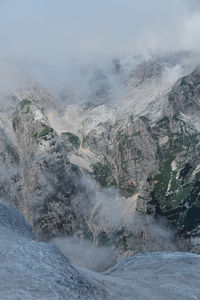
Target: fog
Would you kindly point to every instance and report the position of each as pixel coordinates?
(64, 46)
(49, 40)
(52, 31)
(114, 218)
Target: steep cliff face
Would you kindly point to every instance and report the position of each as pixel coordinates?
(51, 186)
(176, 189)
(9, 159)
(155, 159)
(141, 148)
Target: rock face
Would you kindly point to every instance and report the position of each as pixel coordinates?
(48, 178)
(35, 270)
(139, 140)
(36, 175)
(154, 155)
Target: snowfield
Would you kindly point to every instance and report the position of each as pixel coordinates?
(33, 270)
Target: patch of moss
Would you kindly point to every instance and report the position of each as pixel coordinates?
(35, 135)
(168, 190)
(13, 153)
(25, 105)
(45, 132)
(74, 140)
(162, 180)
(144, 119)
(102, 173)
(179, 202)
(178, 198)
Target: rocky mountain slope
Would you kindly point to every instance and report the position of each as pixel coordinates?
(155, 159)
(113, 166)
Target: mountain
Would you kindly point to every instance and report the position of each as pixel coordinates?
(113, 160)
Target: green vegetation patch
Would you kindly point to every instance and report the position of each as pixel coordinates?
(144, 119)
(168, 190)
(73, 139)
(162, 180)
(179, 201)
(103, 173)
(25, 105)
(12, 153)
(44, 132)
(166, 185)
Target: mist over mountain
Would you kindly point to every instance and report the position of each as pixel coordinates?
(99, 149)
(52, 41)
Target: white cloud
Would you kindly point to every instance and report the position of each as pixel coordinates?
(189, 38)
(49, 37)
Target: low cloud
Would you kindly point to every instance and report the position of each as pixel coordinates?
(84, 253)
(117, 218)
(49, 39)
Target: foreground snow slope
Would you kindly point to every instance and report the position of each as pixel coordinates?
(33, 270)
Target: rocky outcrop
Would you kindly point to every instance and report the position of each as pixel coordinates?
(52, 192)
(155, 158)
(10, 189)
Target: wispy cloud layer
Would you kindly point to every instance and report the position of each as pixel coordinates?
(56, 30)
(47, 37)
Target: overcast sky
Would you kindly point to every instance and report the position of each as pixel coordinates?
(49, 38)
(57, 29)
